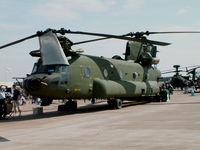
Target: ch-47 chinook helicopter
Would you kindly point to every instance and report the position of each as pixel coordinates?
(61, 73)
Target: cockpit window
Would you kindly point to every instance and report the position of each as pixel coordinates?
(57, 68)
(39, 68)
(50, 69)
(34, 68)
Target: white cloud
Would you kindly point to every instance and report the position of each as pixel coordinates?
(74, 9)
(133, 4)
(182, 11)
(69, 9)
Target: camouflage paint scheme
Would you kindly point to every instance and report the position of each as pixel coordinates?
(85, 77)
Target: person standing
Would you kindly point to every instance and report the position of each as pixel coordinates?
(2, 104)
(192, 86)
(16, 98)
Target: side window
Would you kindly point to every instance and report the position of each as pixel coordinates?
(135, 75)
(87, 72)
(121, 74)
(105, 72)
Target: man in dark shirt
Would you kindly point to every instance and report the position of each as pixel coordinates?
(16, 97)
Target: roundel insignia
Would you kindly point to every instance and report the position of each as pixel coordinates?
(111, 64)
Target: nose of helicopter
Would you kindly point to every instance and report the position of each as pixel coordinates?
(32, 84)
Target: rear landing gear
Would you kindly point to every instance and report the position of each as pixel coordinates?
(115, 103)
(68, 106)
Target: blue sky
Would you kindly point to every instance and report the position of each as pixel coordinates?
(25, 17)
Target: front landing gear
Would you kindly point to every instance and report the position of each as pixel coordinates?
(46, 102)
(68, 106)
(115, 103)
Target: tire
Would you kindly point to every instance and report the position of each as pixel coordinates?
(46, 102)
(69, 106)
(118, 103)
(73, 105)
(61, 108)
(115, 103)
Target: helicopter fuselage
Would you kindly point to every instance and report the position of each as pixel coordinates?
(92, 77)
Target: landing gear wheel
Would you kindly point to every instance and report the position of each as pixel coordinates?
(73, 105)
(115, 103)
(68, 106)
(118, 103)
(46, 102)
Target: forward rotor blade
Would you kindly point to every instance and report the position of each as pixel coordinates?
(93, 40)
(87, 41)
(18, 41)
(51, 51)
(119, 37)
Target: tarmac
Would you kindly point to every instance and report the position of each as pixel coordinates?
(172, 125)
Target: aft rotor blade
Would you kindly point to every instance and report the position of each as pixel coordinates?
(119, 37)
(18, 41)
(173, 32)
(153, 42)
(93, 40)
(168, 72)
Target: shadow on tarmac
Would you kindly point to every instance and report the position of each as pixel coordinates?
(90, 108)
(2, 139)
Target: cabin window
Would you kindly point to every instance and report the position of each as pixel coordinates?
(87, 72)
(121, 74)
(105, 72)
